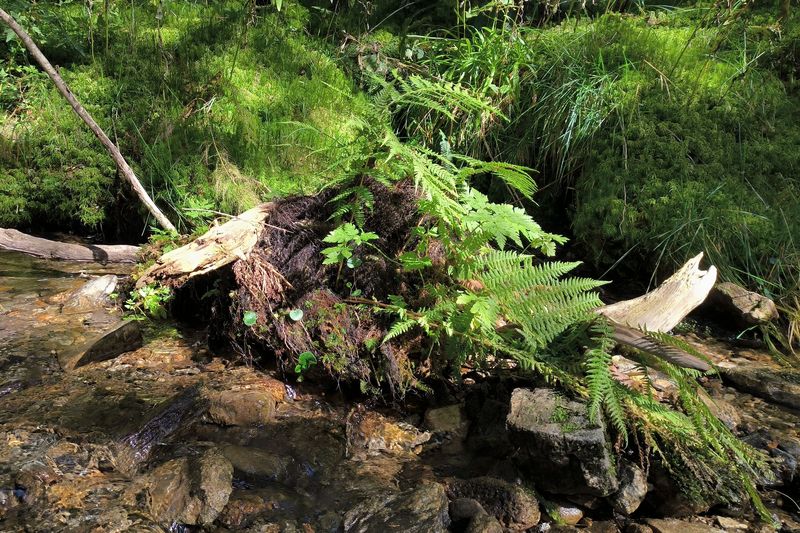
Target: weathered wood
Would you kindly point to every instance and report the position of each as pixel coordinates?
(16, 241)
(664, 307)
(218, 247)
(116, 155)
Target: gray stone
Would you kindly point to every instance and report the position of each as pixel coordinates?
(515, 507)
(745, 308)
(775, 385)
(422, 509)
(92, 295)
(558, 446)
(632, 488)
(125, 336)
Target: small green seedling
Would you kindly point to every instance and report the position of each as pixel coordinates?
(305, 361)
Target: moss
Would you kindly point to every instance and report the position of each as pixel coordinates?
(210, 102)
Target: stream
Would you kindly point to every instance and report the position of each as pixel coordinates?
(170, 437)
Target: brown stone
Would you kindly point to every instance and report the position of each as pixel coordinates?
(672, 525)
(241, 408)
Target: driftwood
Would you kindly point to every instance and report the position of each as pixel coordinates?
(16, 241)
(218, 247)
(122, 165)
(663, 308)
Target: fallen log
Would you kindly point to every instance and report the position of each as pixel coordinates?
(16, 241)
(218, 247)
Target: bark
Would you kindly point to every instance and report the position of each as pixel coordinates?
(218, 247)
(122, 165)
(16, 241)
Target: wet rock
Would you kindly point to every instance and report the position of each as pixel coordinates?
(422, 509)
(668, 499)
(603, 526)
(34, 477)
(92, 295)
(369, 433)
(483, 523)
(463, 509)
(241, 408)
(729, 524)
(744, 307)
(165, 422)
(632, 488)
(558, 446)
(779, 386)
(672, 525)
(125, 336)
(638, 528)
(568, 514)
(260, 465)
(448, 419)
(247, 506)
(515, 507)
(187, 490)
(725, 411)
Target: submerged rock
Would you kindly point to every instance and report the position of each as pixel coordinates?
(422, 509)
(166, 421)
(516, 508)
(241, 408)
(558, 446)
(745, 308)
(92, 295)
(187, 490)
(124, 336)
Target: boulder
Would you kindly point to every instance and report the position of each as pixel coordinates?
(745, 308)
(422, 509)
(632, 488)
(124, 336)
(516, 508)
(187, 490)
(241, 407)
(561, 450)
(370, 433)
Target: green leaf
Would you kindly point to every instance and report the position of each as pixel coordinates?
(296, 314)
(250, 318)
(307, 359)
(278, 4)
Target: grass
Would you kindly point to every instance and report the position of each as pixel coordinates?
(215, 106)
